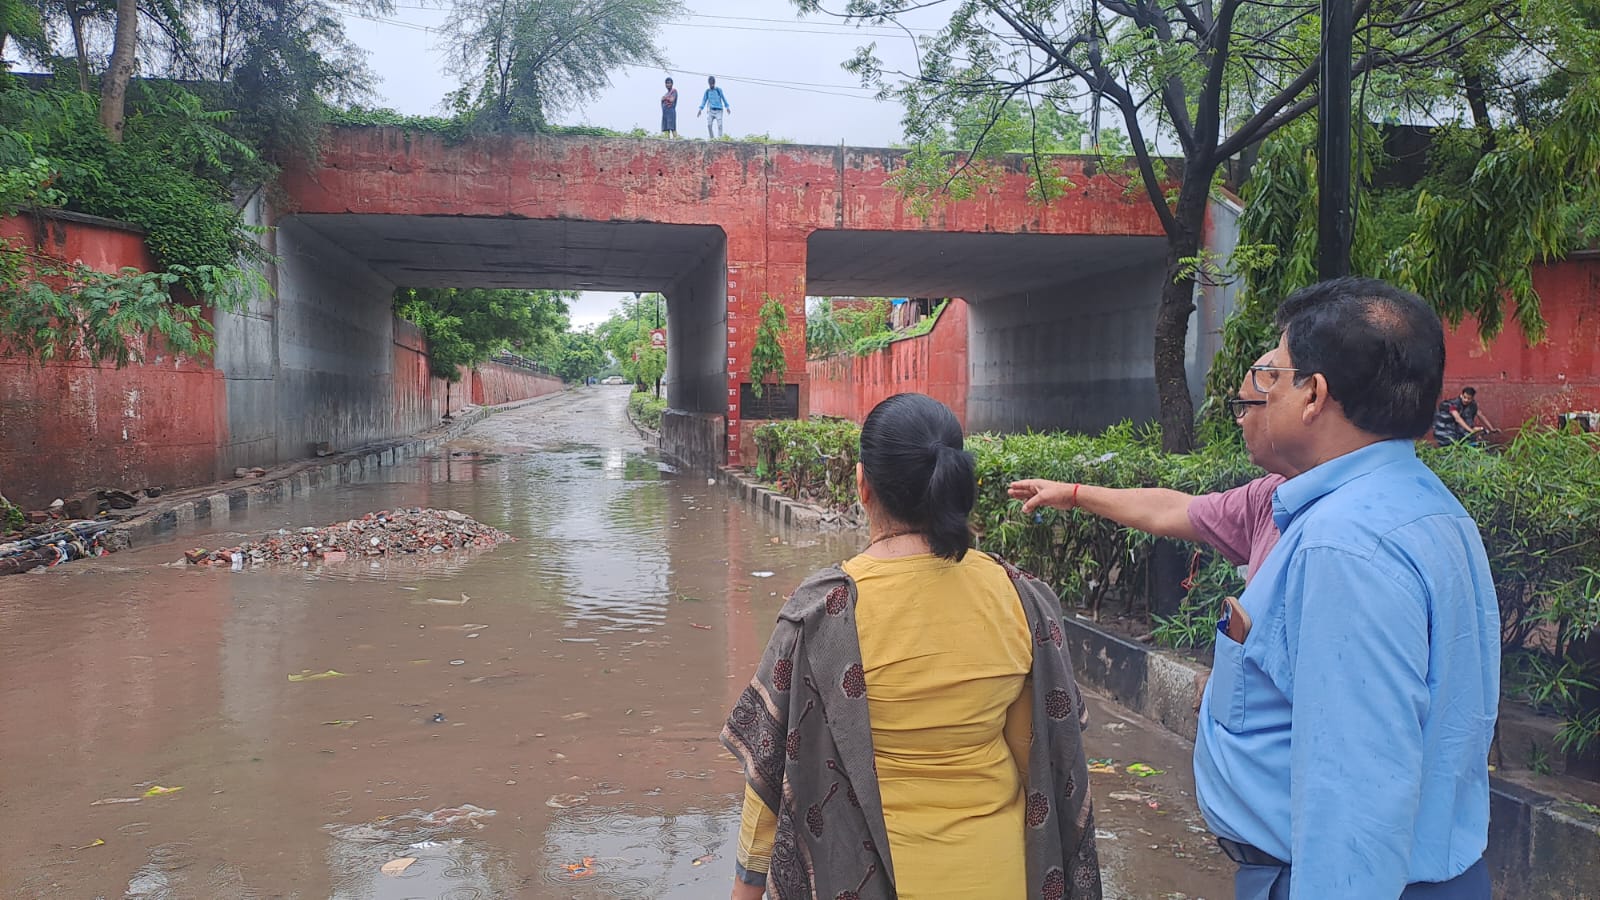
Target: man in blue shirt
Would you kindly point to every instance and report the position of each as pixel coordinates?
(715, 99)
(1342, 749)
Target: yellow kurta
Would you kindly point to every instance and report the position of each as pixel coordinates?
(947, 653)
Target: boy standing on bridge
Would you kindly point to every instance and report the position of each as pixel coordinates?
(718, 102)
(669, 111)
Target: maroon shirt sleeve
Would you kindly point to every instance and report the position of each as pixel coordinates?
(1230, 521)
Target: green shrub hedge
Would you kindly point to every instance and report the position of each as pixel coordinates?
(647, 410)
(1536, 501)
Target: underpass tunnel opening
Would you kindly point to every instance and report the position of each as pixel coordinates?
(686, 264)
(1059, 327)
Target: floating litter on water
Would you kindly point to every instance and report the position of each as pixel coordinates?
(308, 675)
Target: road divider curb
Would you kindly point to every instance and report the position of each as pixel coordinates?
(783, 509)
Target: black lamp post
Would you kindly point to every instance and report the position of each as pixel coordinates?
(1333, 141)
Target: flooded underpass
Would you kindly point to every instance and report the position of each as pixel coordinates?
(537, 720)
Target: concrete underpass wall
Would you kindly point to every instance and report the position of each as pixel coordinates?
(699, 339)
(247, 354)
(335, 374)
(1076, 357)
(320, 357)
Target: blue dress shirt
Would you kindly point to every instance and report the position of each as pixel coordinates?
(1349, 734)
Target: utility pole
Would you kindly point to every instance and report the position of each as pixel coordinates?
(1333, 141)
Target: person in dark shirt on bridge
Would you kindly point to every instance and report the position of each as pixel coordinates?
(669, 111)
(718, 102)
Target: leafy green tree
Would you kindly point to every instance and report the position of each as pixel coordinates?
(78, 18)
(279, 63)
(1211, 78)
(520, 62)
(626, 336)
(1497, 195)
(833, 328)
(768, 357)
(577, 355)
(22, 26)
(466, 327)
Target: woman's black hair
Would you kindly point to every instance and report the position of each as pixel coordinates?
(914, 457)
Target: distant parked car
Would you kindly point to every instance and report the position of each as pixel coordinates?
(614, 379)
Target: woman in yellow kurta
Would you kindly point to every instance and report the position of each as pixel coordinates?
(944, 657)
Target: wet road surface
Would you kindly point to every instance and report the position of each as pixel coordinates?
(538, 720)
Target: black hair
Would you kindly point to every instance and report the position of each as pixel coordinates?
(1380, 348)
(914, 458)
(1470, 391)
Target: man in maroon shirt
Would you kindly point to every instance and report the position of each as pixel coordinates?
(1238, 523)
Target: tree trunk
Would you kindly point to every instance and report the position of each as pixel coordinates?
(1172, 317)
(75, 17)
(1478, 102)
(1172, 336)
(114, 92)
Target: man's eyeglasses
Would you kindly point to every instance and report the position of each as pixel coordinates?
(1266, 384)
(1238, 406)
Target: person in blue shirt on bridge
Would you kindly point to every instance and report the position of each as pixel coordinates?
(1342, 748)
(718, 102)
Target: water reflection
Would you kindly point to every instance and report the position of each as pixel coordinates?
(627, 851)
(594, 658)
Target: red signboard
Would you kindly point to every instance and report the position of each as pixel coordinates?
(658, 339)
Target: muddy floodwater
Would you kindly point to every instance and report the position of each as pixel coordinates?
(537, 720)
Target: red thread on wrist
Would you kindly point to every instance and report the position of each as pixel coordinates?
(1075, 487)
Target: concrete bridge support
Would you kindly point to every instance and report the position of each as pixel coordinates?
(1075, 356)
(699, 340)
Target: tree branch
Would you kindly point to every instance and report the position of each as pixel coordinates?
(1210, 106)
(1119, 95)
(1252, 130)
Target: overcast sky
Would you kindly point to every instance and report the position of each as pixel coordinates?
(781, 74)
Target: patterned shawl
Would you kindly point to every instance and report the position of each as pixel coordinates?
(802, 734)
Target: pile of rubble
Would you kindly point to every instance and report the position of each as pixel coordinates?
(397, 532)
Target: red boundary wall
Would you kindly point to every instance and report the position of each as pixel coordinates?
(494, 384)
(419, 395)
(934, 364)
(1516, 382)
(69, 426)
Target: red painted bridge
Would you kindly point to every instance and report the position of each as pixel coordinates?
(1061, 294)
